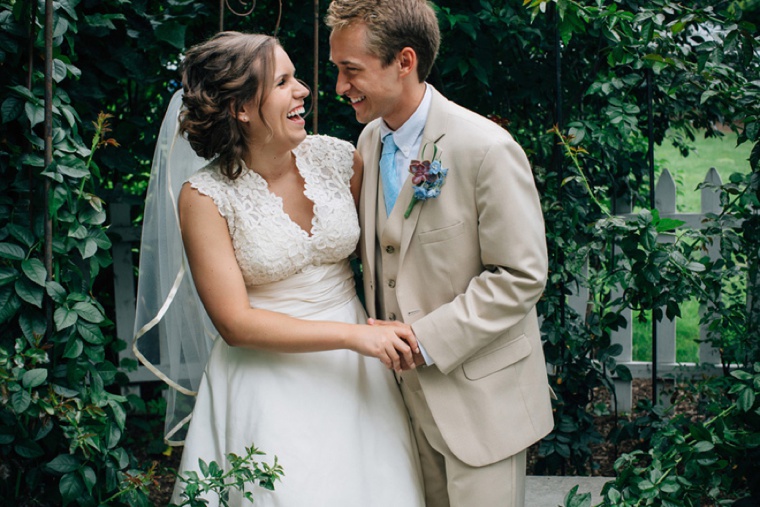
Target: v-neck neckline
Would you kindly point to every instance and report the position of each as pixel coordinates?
(280, 204)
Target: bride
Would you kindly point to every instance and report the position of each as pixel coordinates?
(267, 227)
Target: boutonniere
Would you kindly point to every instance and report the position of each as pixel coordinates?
(428, 176)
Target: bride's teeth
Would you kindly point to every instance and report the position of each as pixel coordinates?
(297, 112)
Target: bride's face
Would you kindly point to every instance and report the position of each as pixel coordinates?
(283, 107)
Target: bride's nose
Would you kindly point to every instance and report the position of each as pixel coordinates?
(301, 91)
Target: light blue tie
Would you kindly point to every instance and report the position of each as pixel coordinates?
(391, 185)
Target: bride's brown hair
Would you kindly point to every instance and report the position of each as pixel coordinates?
(219, 77)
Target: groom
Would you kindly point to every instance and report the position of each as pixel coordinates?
(464, 268)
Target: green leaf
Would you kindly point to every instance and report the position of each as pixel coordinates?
(89, 248)
(746, 400)
(71, 487)
(88, 312)
(706, 95)
(704, 446)
(74, 347)
(121, 458)
(11, 109)
(56, 292)
(34, 378)
(77, 231)
(9, 303)
(171, 32)
(742, 375)
(63, 318)
(11, 251)
(35, 271)
(90, 334)
(28, 449)
(20, 401)
(59, 70)
(64, 463)
(72, 172)
(623, 373)
(113, 435)
(89, 477)
(7, 275)
(29, 292)
(35, 114)
(668, 224)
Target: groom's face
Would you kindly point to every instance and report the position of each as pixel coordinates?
(372, 89)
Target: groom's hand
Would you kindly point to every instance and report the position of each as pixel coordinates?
(406, 333)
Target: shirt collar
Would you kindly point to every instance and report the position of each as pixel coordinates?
(406, 135)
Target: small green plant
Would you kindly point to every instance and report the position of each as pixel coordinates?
(216, 481)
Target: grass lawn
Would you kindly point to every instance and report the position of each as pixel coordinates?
(688, 172)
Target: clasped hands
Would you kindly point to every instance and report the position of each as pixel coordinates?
(406, 352)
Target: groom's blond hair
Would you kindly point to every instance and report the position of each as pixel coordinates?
(392, 25)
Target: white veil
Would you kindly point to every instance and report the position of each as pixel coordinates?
(173, 334)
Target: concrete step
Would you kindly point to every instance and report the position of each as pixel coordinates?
(550, 491)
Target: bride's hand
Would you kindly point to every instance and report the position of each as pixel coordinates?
(406, 333)
(387, 344)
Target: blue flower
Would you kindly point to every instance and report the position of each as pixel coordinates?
(427, 179)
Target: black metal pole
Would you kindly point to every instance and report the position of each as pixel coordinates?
(315, 87)
(48, 153)
(650, 163)
(221, 15)
(558, 120)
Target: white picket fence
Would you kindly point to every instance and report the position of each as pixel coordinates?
(667, 367)
(126, 238)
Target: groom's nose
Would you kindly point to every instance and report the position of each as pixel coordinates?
(341, 84)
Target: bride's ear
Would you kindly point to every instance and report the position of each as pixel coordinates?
(244, 114)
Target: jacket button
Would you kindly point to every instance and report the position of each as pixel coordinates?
(391, 283)
(391, 316)
(389, 249)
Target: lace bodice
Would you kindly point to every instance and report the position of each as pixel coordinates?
(269, 246)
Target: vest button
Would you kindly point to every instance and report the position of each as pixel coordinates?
(389, 249)
(391, 316)
(391, 283)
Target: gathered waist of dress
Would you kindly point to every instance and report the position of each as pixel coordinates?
(314, 290)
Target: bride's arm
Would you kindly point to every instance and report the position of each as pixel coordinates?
(222, 290)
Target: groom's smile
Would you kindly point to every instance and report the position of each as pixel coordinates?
(373, 89)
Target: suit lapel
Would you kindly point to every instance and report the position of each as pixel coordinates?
(435, 128)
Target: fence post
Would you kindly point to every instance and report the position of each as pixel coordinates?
(710, 204)
(623, 337)
(665, 202)
(122, 232)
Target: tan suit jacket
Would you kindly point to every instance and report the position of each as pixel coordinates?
(466, 270)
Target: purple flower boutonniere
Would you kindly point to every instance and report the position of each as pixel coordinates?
(427, 179)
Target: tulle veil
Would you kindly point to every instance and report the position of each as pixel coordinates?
(173, 335)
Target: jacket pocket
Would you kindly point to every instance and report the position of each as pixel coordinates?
(442, 234)
(507, 355)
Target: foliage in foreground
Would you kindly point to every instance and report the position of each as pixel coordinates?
(693, 461)
(243, 472)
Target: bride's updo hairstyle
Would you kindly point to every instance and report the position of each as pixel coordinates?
(219, 77)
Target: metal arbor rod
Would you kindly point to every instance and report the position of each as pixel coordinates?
(650, 164)
(315, 88)
(48, 152)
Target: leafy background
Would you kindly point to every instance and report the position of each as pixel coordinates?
(588, 68)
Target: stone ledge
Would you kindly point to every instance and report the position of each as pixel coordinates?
(550, 491)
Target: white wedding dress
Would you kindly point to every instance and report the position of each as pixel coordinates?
(335, 420)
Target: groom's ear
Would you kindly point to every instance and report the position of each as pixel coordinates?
(407, 59)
